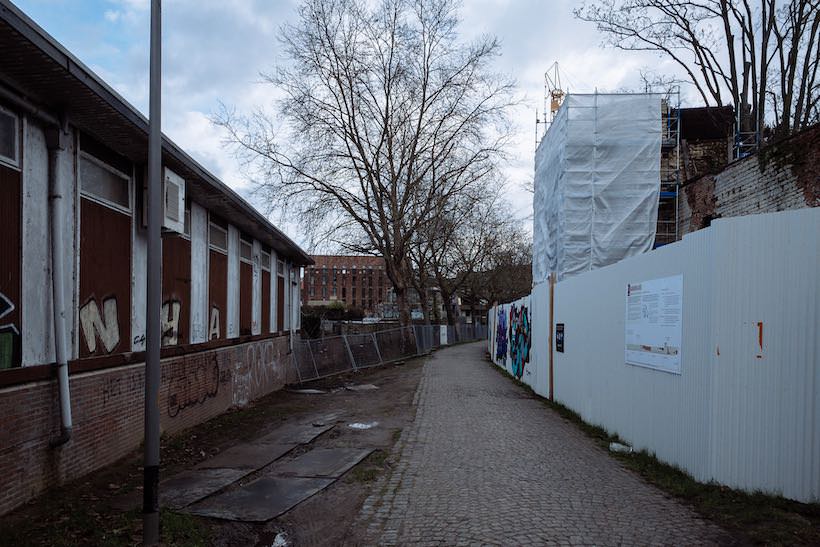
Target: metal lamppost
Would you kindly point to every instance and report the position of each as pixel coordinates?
(150, 504)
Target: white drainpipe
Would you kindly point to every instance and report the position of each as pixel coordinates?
(55, 198)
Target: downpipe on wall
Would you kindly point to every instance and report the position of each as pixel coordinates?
(56, 133)
(55, 138)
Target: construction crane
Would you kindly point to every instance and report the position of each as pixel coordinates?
(554, 94)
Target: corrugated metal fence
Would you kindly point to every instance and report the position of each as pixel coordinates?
(321, 357)
(745, 409)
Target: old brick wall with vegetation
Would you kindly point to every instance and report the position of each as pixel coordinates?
(107, 407)
(782, 176)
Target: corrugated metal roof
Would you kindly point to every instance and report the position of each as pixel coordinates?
(41, 70)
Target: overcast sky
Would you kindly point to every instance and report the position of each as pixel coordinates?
(213, 50)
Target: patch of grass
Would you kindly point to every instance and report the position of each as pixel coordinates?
(370, 468)
(755, 518)
(182, 530)
(396, 435)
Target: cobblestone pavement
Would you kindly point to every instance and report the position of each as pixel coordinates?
(486, 463)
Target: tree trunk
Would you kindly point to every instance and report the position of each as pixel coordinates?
(404, 306)
(446, 296)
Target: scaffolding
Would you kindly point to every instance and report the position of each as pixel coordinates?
(597, 175)
(670, 179)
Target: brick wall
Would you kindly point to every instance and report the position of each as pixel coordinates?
(107, 408)
(782, 176)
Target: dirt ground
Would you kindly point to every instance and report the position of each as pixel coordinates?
(104, 507)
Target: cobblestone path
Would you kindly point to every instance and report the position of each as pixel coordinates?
(485, 463)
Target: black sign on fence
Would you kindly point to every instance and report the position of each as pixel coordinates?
(559, 337)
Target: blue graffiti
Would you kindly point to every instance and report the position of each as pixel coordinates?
(520, 339)
(501, 336)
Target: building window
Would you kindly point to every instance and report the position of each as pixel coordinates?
(245, 251)
(324, 293)
(218, 238)
(9, 138)
(264, 259)
(103, 183)
(280, 268)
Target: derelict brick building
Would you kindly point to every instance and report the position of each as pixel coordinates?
(72, 171)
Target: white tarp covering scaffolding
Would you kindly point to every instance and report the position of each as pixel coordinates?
(597, 183)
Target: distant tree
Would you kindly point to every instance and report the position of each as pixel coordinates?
(384, 116)
(761, 56)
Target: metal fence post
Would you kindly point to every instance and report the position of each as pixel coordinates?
(376, 345)
(349, 352)
(295, 365)
(312, 358)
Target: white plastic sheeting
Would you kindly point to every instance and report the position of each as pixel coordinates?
(597, 183)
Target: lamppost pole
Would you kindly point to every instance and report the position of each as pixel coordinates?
(150, 504)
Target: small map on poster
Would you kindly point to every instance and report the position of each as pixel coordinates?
(654, 315)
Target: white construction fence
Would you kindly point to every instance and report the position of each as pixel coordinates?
(705, 352)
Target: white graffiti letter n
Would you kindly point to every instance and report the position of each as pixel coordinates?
(93, 325)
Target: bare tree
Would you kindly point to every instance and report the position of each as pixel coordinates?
(384, 115)
(747, 53)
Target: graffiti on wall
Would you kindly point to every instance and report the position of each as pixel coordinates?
(213, 329)
(501, 335)
(8, 333)
(257, 370)
(170, 322)
(520, 340)
(104, 327)
(194, 380)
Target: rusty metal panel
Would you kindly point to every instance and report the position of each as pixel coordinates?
(280, 303)
(245, 298)
(105, 280)
(217, 294)
(10, 259)
(265, 302)
(176, 290)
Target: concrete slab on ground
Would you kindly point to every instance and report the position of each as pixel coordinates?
(260, 500)
(321, 462)
(302, 433)
(250, 456)
(193, 485)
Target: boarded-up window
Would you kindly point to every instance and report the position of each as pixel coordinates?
(10, 280)
(280, 299)
(176, 290)
(105, 279)
(217, 282)
(265, 262)
(245, 287)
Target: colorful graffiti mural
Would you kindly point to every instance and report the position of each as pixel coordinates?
(501, 335)
(520, 339)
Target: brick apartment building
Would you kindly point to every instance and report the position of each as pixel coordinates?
(356, 281)
(229, 288)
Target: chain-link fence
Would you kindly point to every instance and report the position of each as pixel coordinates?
(321, 357)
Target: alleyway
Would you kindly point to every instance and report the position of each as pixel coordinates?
(485, 462)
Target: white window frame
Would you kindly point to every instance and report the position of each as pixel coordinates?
(262, 255)
(5, 160)
(211, 245)
(249, 259)
(112, 170)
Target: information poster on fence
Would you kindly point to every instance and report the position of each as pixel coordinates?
(654, 315)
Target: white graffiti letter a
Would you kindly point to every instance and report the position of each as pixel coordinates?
(93, 325)
(213, 331)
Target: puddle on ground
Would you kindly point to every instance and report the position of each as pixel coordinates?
(359, 425)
